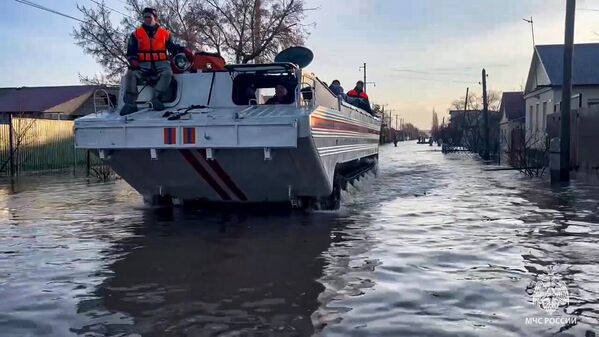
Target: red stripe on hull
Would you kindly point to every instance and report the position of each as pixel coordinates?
(329, 124)
(224, 177)
(193, 161)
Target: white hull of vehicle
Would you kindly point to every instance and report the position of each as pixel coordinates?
(220, 152)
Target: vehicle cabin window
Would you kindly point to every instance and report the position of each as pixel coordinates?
(257, 88)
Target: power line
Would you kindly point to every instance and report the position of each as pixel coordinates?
(435, 80)
(588, 9)
(112, 9)
(38, 6)
(434, 73)
(34, 5)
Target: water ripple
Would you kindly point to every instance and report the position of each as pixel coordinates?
(434, 245)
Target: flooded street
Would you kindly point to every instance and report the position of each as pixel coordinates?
(433, 246)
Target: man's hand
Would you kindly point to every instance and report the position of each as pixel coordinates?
(189, 53)
(133, 64)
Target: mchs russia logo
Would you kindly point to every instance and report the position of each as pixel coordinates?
(549, 294)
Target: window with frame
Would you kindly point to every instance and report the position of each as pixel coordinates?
(258, 88)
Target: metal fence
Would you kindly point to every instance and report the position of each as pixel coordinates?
(42, 146)
(584, 137)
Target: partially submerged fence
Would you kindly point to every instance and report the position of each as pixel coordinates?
(584, 137)
(41, 144)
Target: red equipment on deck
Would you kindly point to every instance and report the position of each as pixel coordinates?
(207, 61)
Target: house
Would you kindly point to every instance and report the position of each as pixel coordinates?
(543, 86)
(41, 136)
(60, 102)
(512, 134)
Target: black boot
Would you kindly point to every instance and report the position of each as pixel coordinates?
(157, 101)
(128, 109)
(157, 104)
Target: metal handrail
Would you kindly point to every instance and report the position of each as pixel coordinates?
(300, 98)
(108, 101)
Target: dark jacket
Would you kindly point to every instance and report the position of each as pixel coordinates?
(132, 46)
(336, 89)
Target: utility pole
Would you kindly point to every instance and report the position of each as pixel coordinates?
(486, 155)
(465, 113)
(390, 118)
(364, 67)
(564, 170)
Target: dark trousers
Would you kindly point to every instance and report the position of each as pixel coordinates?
(161, 70)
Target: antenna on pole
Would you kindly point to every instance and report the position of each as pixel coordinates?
(532, 28)
(363, 67)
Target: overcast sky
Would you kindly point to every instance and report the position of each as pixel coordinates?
(421, 53)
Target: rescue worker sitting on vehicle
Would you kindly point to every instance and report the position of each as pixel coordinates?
(281, 96)
(337, 89)
(358, 91)
(358, 97)
(148, 59)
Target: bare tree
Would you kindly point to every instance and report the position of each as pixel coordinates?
(22, 124)
(103, 172)
(475, 102)
(107, 43)
(241, 30)
(435, 124)
(258, 28)
(528, 154)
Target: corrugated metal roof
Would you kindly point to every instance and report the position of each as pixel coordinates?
(513, 104)
(39, 99)
(584, 63)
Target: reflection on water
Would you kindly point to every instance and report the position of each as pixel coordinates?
(205, 275)
(433, 246)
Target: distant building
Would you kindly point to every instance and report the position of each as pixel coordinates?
(512, 125)
(42, 126)
(60, 102)
(544, 85)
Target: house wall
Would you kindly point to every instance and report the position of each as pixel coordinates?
(537, 108)
(537, 76)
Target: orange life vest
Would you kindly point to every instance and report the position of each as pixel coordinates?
(152, 49)
(354, 93)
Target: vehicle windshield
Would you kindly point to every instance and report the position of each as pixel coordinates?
(262, 88)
